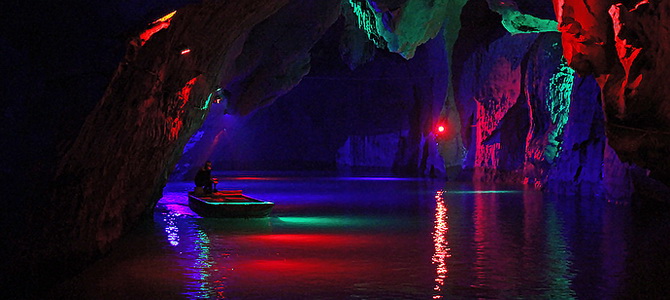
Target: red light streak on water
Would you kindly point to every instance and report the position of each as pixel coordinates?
(300, 267)
(316, 240)
(442, 250)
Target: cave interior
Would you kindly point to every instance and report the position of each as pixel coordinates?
(106, 102)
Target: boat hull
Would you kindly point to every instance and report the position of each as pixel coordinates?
(221, 205)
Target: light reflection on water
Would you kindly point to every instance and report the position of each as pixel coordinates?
(442, 250)
(375, 239)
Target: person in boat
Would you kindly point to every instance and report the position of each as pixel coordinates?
(204, 178)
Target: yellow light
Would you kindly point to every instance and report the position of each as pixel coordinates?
(166, 17)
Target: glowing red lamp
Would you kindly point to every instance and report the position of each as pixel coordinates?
(441, 130)
(185, 51)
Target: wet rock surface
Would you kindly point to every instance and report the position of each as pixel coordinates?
(94, 119)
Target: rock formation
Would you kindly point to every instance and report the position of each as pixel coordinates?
(99, 177)
(101, 98)
(622, 43)
(379, 116)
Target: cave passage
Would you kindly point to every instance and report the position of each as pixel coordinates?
(378, 237)
(378, 117)
(554, 115)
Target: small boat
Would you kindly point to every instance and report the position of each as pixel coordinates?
(228, 204)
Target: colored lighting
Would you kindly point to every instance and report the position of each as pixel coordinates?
(185, 51)
(376, 178)
(176, 121)
(171, 229)
(156, 26)
(558, 253)
(334, 222)
(483, 192)
(316, 240)
(166, 17)
(558, 104)
(442, 249)
(440, 129)
(367, 20)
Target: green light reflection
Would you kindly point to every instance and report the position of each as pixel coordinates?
(333, 221)
(559, 256)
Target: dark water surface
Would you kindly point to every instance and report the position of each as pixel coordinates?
(387, 238)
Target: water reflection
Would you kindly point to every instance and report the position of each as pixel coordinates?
(442, 250)
(492, 251)
(193, 246)
(200, 286)
(558, 272)
(171, 228)
(387, 239)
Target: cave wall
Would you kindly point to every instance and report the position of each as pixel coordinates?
(623, 44)
(57, 59)
(525, 118)
(95, 118)
(90, 158)
(618, 43)
(376, 114)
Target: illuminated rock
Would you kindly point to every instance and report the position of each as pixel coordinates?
(515, 21)
(101, 98)
(403, 26)
(625, 48)
(525, 116)
(385, 108)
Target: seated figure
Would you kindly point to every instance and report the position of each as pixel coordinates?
(203, 179)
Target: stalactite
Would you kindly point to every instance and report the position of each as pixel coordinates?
(367, 21)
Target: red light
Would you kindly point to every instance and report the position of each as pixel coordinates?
(185, 51)
(156, 26)
(440, 128)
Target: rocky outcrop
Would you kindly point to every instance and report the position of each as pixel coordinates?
(155, 100)
(379, 116)
(525, 116)
(88, 142)
(403, 25)
(623, 45)
(99, 176)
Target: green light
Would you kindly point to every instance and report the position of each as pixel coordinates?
(209, 100)
(558, 258)
(516, 22)
(558, 105)
(367, 20)
(333, 221)
(202, 263)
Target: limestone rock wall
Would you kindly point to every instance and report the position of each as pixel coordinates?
(386, 108)
(623, 44)
(86, 178)
(525, 116)
(99, 101)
